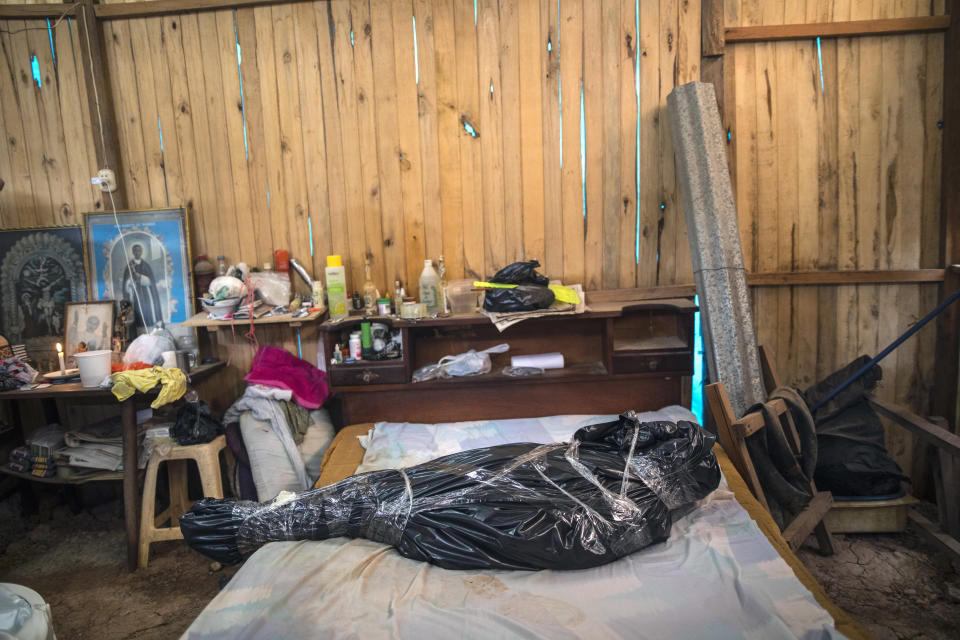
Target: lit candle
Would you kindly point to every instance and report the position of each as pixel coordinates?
(63, 367)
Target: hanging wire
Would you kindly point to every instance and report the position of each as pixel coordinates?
(67, 10)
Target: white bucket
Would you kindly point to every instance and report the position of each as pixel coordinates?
(94, 366)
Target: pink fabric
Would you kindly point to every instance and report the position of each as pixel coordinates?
(275, 367)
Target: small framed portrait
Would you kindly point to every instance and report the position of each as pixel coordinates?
(89, 326)
(41, 269)
(142, 257)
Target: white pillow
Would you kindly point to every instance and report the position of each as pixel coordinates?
(316, 441)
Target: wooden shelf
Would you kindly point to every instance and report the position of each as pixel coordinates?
(93, 477)
(201, 320)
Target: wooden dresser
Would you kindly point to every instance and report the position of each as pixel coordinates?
(618, 356)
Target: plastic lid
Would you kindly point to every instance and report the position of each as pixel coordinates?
(334, 261)
(220, 257)
(383, 300)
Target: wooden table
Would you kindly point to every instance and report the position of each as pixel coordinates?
(131, 494)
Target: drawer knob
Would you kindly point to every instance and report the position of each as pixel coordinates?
(368, 375)
(654, 364)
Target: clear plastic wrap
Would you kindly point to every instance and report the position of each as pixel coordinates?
(470, 363)
(606, 494)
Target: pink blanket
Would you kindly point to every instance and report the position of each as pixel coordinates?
(274, 367)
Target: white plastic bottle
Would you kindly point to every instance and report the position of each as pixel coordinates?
(430, 289)
(336, 287)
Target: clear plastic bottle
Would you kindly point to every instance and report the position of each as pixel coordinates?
(221, 266)
(430, 289)
(444, 303)
(370, 294)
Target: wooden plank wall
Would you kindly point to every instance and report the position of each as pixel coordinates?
(839, 172)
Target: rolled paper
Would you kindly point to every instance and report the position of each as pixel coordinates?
(542, 360)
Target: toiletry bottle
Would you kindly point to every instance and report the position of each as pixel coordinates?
(429, 286)
(444, 302)
(221, 266)
(337, 287)
(369, 291)
(397, 297)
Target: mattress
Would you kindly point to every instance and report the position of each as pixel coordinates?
(724, 572)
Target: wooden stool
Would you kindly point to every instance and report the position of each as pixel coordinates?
(207, 457)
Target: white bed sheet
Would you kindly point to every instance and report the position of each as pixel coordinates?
(716, 577)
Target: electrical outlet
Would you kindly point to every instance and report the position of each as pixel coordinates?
(106, 179)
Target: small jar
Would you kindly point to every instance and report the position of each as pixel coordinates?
(383, 306)
(355, 346)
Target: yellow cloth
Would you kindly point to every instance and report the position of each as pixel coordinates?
(174, 384)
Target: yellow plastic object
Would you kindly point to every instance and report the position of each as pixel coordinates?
(560, 292)
(564, 294)
(334, 261)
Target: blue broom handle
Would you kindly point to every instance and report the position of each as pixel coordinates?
(883, 354)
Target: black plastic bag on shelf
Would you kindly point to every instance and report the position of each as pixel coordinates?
(524, 297)
(521, 273)
(531, 294)
(195, 424)
(604, 495)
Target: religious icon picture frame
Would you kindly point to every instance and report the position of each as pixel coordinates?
(41, 269)
(89, 323)
(143, 257)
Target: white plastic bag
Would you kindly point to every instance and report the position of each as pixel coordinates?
(149, 348)
(274, 287)
(471, 363)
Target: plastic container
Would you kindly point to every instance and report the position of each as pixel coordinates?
(430, 289)
(355, 346)
(203, 274)
(336, 287)
(94, 366)
(281, 260)
(383, 306)
(461, 296)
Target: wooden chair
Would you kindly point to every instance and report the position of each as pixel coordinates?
(733, 434)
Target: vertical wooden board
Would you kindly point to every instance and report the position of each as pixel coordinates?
(388, 143)
(448, 136)
(373, 187)
(339, 240)
(146, 94)
(19, 58)
(170, 151)
(828, 219)
(907, 391)
(427, 114)
(552, 200)
(272, 150)
(740, 62)
(76, 130)
(571, 185)
(81, 60)
(665, 203)
(409, 157)
(9, 215)
(628, 148)
(767, 140)
(932, 101)
(471, 178)
(291, 132)
(593, 118)
(532, 129)
(491, 127)
(55, 158)
(223, 213)
(612, 204)
(510, 104)
(199, 133)
(19, 196)
(358, 198)
(316, 229)
(234, 126)
(657, 34)
(256, 152)
(688, 70)
(911, 152)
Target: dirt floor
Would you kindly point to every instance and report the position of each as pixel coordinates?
(895, 585)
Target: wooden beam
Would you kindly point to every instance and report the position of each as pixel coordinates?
(28, 11)
(852, 28)
(795, 278)
(97, 82)
(927, 431)
(946, 363)
(163, 7)
(711, 28)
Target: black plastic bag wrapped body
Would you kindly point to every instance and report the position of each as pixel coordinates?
(531, 293)
(606, 494)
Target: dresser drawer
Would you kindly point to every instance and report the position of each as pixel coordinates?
(360, 373)
(652, 361)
